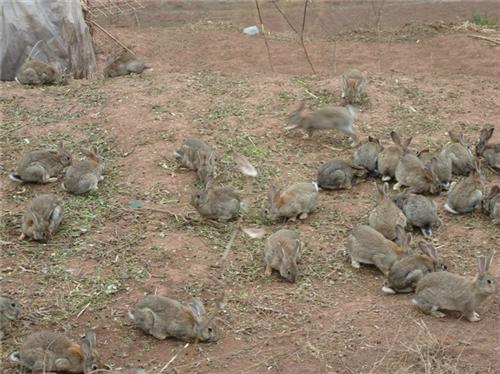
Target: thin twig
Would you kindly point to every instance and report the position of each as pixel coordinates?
(83, 310)
(285, 17)
(302, 36)
(484, 38)
(111, 36)
(173, 358)
(264, 35)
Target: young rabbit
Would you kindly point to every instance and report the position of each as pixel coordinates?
(448, 291)
(411, 172)
(34, 73)
(124, 64)
(281, 252)
(299, 199)
(218, 203)
(389, 158)
(442, 166)
(48, 351)
(407, 271)
(163, 317)
(42, 166)
(42, 218)
(459, 153)
(332, 117)
(366, 155)
(365, 245)
(337, 174)
(420, 211)
(197, 155)
(82, 176)
(386, 216)
(10, 310)
(467, 194)
(490, 152)
(491, 204)
(353, 85)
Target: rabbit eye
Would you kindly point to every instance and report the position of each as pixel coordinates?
(489, 281)
(13, 305)
(94, 367)
(210, 329)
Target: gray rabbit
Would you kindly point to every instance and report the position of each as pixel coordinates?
(42, 218)
(84, 175)
(420, 211)
(366, 155)
(281, 252)
(458, 151)
(217, 203)
(489, 151)
(197, 155)
(124, 64)
(353, 85)
(34, 73)
(491, 204)
(389, 158)
(298, 200)
(338, 174)
(10, 310)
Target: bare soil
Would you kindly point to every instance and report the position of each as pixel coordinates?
(426, 76)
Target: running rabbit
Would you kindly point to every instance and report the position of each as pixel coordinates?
(163, 317)
(389, 158)
(490, 152)
(458, 151)
(386, 216)
(491, 204)
(465, 195)
(332, 117)
(420, 211)
(281, 252)
(217, 203)
(42, 166)
(34, 73)
(197, 155)
(407, 271)
(365, 245)
(124, 64)
(48, 351)
(337, 174)
(442, 166)
(42, 218)
(10, 310)
(448, 291)
(84, 175)
(366, 155)
(411, 172)
(353, 85)
(299, 199)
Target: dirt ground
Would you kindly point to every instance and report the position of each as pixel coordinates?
(208, 79)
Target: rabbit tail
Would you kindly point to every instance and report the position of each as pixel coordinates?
(15, 178)
(14, 357)
(449, 209)
(426, 231)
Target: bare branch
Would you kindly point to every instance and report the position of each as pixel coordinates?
(264, 35)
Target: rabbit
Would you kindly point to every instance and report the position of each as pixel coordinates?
(490, 152)
(124, 64)
(299, 199)
(442, 166)
(163, 317)
(353, 85)
(42, 166)
(366, 155)
(459, 153)
(366, 245)
(82, 176)
(35, 73)
(491, 204)
(10, 310)
(48, 351)
(386, 216)
(466, 195)
(219, 203)
(281, 252)
(420, 211)
(197, 155)
(337, 174)
(411, 172)
(389, 158)
(42, 218)
(448, 291)
(407, 271)
(326, 118)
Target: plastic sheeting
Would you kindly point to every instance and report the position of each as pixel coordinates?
(55, 28)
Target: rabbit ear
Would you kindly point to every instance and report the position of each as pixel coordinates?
(273, 195)
(296, 249)
(385, 189)
(371, 139)
(197, 309)
(428, 249)
(454, 136)
(60, 146)
(90, 337)
(486, 134)
(489, 260)
(482, 264)
(400, 234)
(86, 350)
(94, 150)
(396, 138)
(407, 142)
(495, 190)
(407, 240)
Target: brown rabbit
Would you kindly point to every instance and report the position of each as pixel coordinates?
(298, 200)
(466, 195)
(420, 211)
(386, 216)
(490, 152)
(84, 175)
(197, 155)
(491, 204)
(458, 151)
(442, 166)
(389, 158)
(353, 85)
(281, 252)
(411, 172)
(42, 218)
(34, 72)
(338, 174)
(366, 155)
(10, 310)
(48, 351)
(42, 166)
(217, 203)
(447, 291)
(124, 64)
(326, 118)
(407, 271)
(163, 317)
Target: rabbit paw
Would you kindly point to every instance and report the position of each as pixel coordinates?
(474, 317)
(437, 313)
(303, 215)
(52, 180)
(355, 264)
(397, 186)
(386, 178)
